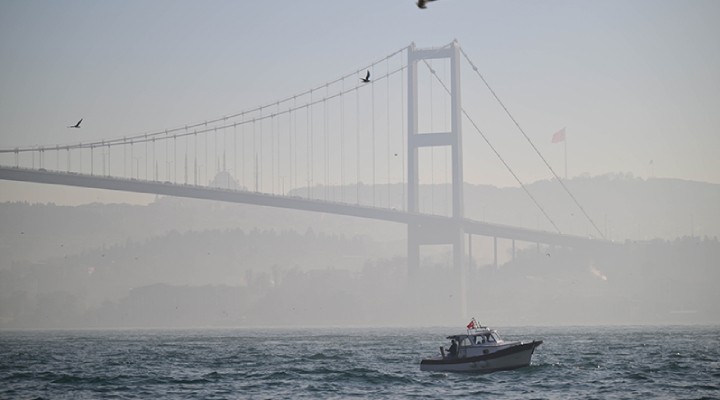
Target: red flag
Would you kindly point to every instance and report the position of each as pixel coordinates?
(471, 325)
(559, 136)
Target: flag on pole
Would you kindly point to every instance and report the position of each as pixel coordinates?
(472, 324)
(559, 136)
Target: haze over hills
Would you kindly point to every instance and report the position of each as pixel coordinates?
(182, 262)
(623, 207)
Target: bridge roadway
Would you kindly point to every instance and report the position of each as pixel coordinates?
(438, 225)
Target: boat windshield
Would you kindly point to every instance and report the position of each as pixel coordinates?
(492, 337)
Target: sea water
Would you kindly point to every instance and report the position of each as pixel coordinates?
(676, 362)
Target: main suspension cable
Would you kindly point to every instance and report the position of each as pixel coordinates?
(532, 144)
(162, 134)
(522, 185)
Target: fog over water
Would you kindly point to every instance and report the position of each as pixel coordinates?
(192, 263)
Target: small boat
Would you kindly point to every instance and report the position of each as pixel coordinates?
(480, 350)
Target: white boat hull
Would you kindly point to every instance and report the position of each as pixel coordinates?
(509, 358)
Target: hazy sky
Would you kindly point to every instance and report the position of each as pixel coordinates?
(632, 81)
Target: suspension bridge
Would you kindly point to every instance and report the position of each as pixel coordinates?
(343, 147)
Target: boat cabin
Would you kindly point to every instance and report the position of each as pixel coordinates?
(475, 342)
(477, 337)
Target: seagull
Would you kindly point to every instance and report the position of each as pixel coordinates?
(76, 125)
(366, 79)
(421, 3)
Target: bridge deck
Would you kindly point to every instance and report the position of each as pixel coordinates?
(291, 202)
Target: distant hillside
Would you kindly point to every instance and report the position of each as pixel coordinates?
(622, 207)
(57, 291)
(36, 232)
(183, 262)
(231, 278)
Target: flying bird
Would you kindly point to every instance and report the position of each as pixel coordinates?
(76, 125)
(421, 3)
(366, 79)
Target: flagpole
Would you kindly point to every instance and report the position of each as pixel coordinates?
(565, 156)
(560, 136)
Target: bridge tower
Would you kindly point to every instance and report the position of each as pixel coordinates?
(443, 232)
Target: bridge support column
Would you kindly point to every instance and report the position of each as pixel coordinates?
(470, 264)
(495, 262)
(444, 232)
